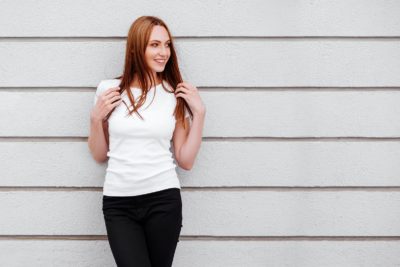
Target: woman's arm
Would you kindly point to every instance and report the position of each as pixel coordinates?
(187, 141)
(98, 140)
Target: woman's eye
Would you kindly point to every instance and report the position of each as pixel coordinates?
(154, 45)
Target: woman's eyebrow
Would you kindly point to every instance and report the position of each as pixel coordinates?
(158, 41)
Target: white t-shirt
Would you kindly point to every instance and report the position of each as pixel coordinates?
(140, 160)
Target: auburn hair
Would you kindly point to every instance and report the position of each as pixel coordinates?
(135, 64)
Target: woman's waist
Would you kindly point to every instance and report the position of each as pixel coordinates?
(139, 160)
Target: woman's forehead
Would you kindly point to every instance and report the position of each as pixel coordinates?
(159, 33)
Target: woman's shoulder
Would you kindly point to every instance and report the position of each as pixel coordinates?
(103, 85)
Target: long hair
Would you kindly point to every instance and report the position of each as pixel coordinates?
(135, 64)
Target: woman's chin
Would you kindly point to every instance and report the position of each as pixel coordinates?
(159, 69)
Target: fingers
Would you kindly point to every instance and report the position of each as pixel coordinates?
(113, 99)
(116, 103)
(187, 87)
(110, 95)
(111, 90)
(107, 101)
(110, 106)
(185, 84)
(182, 89)
(181, 95)
(182, 85)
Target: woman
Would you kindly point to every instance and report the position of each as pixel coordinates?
(141, 195)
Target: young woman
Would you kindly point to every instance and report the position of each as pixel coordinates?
(141, 194)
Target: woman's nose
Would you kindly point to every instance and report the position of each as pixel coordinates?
(163, 51)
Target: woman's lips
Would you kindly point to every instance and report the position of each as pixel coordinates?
(159, 61)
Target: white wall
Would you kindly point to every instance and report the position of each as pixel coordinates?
(299, 164)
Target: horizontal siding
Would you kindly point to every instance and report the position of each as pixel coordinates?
(229, 113)
(264, 92)
(210, 62)
(82, 253)
(216, 213)
(203, 18)
(268, 163)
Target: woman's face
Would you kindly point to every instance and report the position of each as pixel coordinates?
(158, 49)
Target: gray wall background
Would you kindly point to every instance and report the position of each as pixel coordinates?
(300, 160)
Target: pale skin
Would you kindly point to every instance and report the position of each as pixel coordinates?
(186, 142)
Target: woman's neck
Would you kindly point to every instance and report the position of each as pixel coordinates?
(135, 82)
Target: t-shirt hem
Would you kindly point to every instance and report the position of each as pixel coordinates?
(110, 192)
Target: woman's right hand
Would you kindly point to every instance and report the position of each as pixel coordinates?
(106, 102)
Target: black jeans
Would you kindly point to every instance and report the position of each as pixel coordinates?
(144, 230)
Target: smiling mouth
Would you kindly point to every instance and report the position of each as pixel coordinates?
(160, 61)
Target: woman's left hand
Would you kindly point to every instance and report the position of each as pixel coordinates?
(191, 95)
